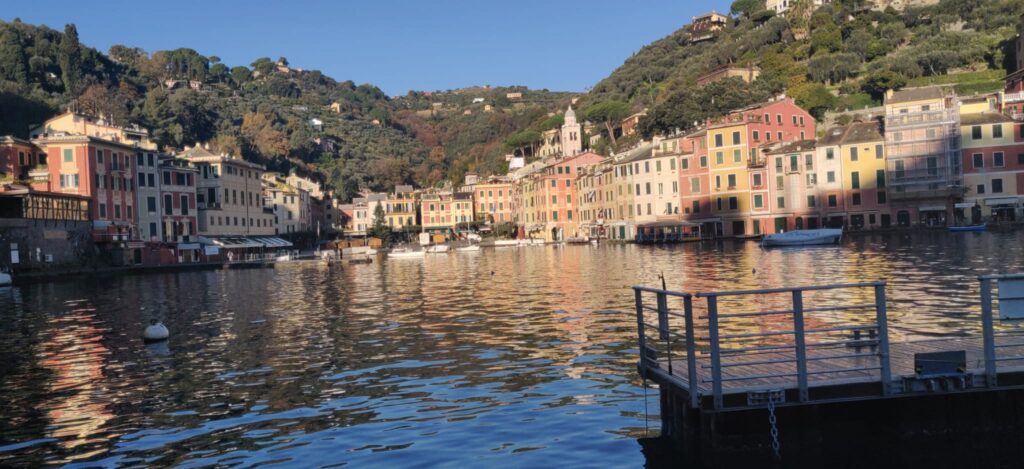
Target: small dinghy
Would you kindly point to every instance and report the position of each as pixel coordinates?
(403, 253)
(804, 238)
(439, 249)
(967, 228)
(470, 248)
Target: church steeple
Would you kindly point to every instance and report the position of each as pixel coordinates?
(572, 143)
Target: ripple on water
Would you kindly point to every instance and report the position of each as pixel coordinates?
(434, 362)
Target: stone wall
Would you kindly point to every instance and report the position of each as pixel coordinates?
(67, 243)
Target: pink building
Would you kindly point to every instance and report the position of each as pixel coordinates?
(792, 179)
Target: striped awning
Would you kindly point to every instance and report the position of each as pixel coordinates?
(273, 242)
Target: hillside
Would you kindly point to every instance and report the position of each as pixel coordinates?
(352, 136)
(839, 56)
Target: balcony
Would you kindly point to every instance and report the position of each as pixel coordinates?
(208, 205)
(921, 118)
(1013, 97)
(757, 162)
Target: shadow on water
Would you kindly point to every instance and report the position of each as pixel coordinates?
(428, 362)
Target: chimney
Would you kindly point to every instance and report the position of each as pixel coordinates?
(888, 94)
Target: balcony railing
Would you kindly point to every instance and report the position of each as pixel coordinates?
(919, 118)
(1013, 97)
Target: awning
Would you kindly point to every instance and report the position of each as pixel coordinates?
(965, 205)
(236, 243)
(1001, 201)
(273, 242)
(188, 246)
(666, 224)
(932, 208)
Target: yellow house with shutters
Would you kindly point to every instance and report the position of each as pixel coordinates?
(730, 185)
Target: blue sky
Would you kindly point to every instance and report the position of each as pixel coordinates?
(398, 45)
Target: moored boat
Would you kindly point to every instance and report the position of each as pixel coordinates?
(404, 253)
(980, 227)
(470, 248)
(438, 249)
(804, 237)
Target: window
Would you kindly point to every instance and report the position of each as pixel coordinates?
(675, 187)
(998, 160)
(660, 189)
(811, 201)
(151, 204)
(780, 135)
(979, 161)
(732, 180)
(778, 118)
(736, 138)
(69, 155)
(880, 178)
(881, 197)
(103, 210)
(184, 205)
(830, 153)
(830, 176)
(879, 152)
(801, 121)
(99, 156)
(976, 132)
(780, 202)
(757, 180)
(554, 183)
(929, 134)
(899, 169)
(696, 206)
(168, 204)
(672, 164)
(647, 166)
(684, 163)
(733, 203)
(648, 187)
(554, 200)
(737, 156)
(719, 158)
(657, 165)
(997, 186)
(933, 166)
(981, 188)
(648, 209)
(767, 119)
(856, 198)
(832, 202)
(718, 140)
(695, 185)
(809, 162)
(997, 131)
(638, 189)
(855, 180)
(1020, 156)
(780, 182)
(793, 163)
(759, 201)
(704, 162)
(757, 136)
(853, 154)
(718, 203)
(767, 136)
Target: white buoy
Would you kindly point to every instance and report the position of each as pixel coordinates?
(155, 332)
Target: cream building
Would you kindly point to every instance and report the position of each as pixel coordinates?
(70, 123)
(229, 195)
(291, 205)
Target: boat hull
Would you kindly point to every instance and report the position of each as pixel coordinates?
(956, 229)
(804, 238)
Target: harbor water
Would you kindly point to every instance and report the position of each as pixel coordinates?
(504, 357)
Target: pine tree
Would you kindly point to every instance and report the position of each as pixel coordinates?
(13, 62)
(70, 58)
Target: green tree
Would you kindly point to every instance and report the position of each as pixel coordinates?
(380, 228)
(610, 113)
(240, 75)
(13, 62)
(70, 59)
(878, 83)
(813, 97)
(263, 65)
(746, 7)
(523, 140)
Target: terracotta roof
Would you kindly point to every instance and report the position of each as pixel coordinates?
(917, 94)
(862, 132)
(984, 118)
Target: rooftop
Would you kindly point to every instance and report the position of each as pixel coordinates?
(916, 94)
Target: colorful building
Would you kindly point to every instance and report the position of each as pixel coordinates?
(993, 164)
(229, 195)
(493, 199)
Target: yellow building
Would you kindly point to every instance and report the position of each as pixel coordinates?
(991, 163)
(70, 123)
(400, 208)
(730, 188)
(862, 150)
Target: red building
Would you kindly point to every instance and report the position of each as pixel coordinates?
(178, 197)
(18, 157)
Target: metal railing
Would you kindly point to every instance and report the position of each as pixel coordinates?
(1007, 343)
(784, 353)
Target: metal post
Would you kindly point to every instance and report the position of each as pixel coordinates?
(663, 326)
(691, 356)
(883, 339)
(716, 364)
(640, 330)
(987, 332)
(801, 345)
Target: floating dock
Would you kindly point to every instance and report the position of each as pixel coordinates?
(807, 376)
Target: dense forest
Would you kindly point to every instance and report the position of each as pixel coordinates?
(352, 136)
(836, 57)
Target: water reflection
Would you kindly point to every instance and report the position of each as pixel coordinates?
(512, 356)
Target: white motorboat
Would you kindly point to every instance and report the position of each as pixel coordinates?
(5, 279)
(439, 249)
(506, 243)
(470, 248)
(804, 237)
(403, 253)
(283, 258)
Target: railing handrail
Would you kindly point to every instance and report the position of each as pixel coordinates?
(1016, 276)
(667, 292)
(789, 289)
